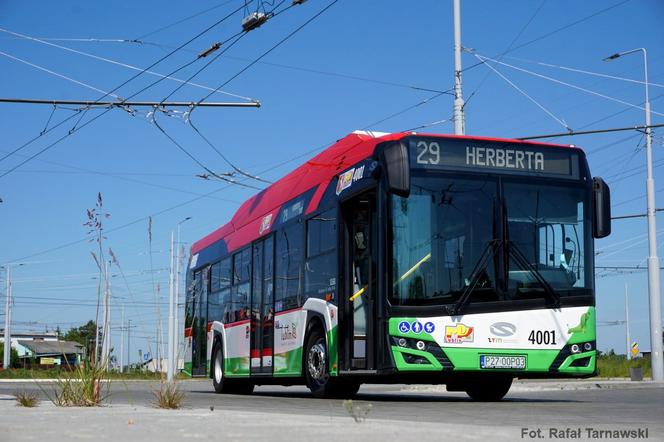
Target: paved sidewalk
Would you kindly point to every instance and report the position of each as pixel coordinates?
(127, 423)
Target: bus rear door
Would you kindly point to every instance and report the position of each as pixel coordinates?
(262, 308)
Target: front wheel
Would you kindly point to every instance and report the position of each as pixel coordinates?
(222, 385)
(489, 389)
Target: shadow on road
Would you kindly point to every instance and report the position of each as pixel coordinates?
(389, 397)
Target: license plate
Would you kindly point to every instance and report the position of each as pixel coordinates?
(499, 361)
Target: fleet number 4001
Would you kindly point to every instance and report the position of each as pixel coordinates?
(542, 337)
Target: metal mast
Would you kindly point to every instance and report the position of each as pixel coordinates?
(459, 118)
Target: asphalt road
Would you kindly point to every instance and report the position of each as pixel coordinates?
(625, 407)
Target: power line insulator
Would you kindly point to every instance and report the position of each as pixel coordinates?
(209, 50)
(298, 2)
(254, 20)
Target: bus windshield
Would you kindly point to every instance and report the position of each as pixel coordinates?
(488, 239)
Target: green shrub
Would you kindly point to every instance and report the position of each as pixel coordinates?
(617, 366)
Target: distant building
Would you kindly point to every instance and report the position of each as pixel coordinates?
(45, 350)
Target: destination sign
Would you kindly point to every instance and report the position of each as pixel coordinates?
(505, 157)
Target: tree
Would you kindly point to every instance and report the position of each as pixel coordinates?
(84, 335)
(13, 356)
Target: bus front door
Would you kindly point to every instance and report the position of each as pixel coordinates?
(262, 309)
(360, 249)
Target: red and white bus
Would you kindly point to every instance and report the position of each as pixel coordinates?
(404, 258)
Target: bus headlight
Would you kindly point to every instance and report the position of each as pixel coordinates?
(587, 346)
(420, 345)
(402, 342)
(575, 349)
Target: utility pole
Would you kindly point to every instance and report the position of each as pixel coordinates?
(128, 344)
(8, 320)
(654, 293)
(629, 339)
(171, 313)
(122, 334)
(459, 118)
(176, 322)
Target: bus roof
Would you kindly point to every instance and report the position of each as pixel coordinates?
(249, 222)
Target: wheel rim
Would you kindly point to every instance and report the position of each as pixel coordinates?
(218, 370)
(316, 361)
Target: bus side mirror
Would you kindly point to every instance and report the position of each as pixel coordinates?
(601, 208)
(393, 157)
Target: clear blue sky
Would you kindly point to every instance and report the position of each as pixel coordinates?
(308, 100)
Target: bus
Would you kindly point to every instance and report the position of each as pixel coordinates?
(404, 258)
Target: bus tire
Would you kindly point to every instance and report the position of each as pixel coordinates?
(218, 382)
(316, 358)
(489, 389)
(222, 385)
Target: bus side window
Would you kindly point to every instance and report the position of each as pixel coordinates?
(320, 276)
(239, 297)
(289, 255)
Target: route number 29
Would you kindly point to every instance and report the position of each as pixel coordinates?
(428, 153)
(540, 337)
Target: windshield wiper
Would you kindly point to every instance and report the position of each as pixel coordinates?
(488, 253)
(522, 262)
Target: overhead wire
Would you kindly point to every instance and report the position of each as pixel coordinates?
(555, 31)
(128, 66)
(586, 72)
(49, 71)
(514, 40)
(272, 14)
(524, 93)
(275, 46)
(76, 127)
(407, 109)
(171, 25)
(564, 83)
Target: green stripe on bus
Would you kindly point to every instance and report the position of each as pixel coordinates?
(288, 363)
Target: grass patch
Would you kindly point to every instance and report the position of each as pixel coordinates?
(28, 399)
(357, 411)
(82, 387)
(55, 373)
(168, 396)
(617, 366)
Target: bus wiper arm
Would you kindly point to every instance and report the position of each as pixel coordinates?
(488, 253)
(522, 261)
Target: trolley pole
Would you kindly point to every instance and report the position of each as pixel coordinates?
(8, 320)
(459, 118)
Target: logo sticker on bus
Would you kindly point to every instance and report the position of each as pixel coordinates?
(458, 334)
(265, 224)
(345, 180)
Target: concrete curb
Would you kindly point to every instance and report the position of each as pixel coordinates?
(554, 385)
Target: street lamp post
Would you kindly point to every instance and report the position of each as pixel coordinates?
(6, 360)
(8, 315)
(176, 320)
(654, 295)
(172, 308)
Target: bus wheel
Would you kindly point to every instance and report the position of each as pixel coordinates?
(218, 369)
(489, 389)
(315, 365)
(221, 385)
